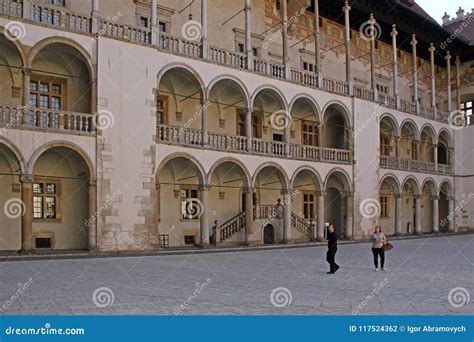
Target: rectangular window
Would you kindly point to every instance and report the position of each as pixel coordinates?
(189, 240)
(240, 48)
(162, 26)
(143, 22)
(467, 108)
(256, 125)
(162, 110)
(384, 210)
(45, 199)
(309, 133)
(384, 146)
(164, 240)
(47, 93)
(309, 206)
(187, 205)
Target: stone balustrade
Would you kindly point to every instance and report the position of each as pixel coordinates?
(270, 212)
(130, 33)
(60, 17)
(11, 8)
(404, 164)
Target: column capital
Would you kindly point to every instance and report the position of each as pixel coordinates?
(93, 182)
(397, 196)
(26, 178)
(448, 57)
(26, 71)
(435, 198)
(394, 32)
(320, 193)
(345, 194)
(413, 40)
(346, 7)
(248, 189)
(450, 198)
(431, 49)
(204, 187)
(458, 61)
(247, 6)
(417, 197)
(286, 191)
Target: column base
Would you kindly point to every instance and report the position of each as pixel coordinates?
(205, 246)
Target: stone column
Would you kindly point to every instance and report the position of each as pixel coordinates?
(248, 34)
(286, 215)
(435, 214)
(397, 147)
(317, 43)
(435, 153)
(320, 135)
(347, 44)
(95, 14)
(248, 214)
(448, 79)
(349, 234)
(204, 122)
(433, 80)
(27, 9)
(155, 28)
(451, 215)
(398, 214)
(27, 217)
(349, 139)
(158, 212)
(417, 143)
(320, 224)
(284, 32)
(458, 83)
(92, 215)
(204, 41)
(205, 215)
(417, 214)
(373, 82)
(248, 128)
(286, 138)
(396, 93)
(415, 74)
(27, 116)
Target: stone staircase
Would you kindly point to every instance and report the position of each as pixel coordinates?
(232, 226)
(301, 225)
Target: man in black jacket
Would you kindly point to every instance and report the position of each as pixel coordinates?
(332, 249)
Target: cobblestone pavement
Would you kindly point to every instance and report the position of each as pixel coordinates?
(421, 274)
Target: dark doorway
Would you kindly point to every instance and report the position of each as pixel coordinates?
(268, 235)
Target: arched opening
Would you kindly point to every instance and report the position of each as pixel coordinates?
(60, 81)
(306, 187)
(268, 235)
(335, 127)
(389, 191)
(227, 201)
(388, 137)
(445, 215)
(10, 200)
(60, 200)
(428, 194)
(179, 104)
(227, 108)
(444, 146)
(427, 141)
(11, 76)
(270, 184)
(305, 125)
(269, 121)
(338, 203)
(179, 202)
(410, 195)
(408, 142)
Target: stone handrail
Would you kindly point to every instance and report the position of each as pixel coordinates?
(300, 224)
(179, 135)
(406, 164)
(226, 57)
(232, 226)
(268, 212)
(335, 155)
(305, 152)
(269, 69)
(222, 141)
(389, 162)
(11, 8)
(60, 17)
(305, 78)
(10, 116)
(335, 86)
(125, 32)
(62, 120)
(180, 46)
(261, 146)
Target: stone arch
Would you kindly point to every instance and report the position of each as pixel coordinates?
(19, 46)
(201, 174)
(447, 185)
(278, 92)
(393, 122)
(188, 68)
(311, 100)
(393, 181)
(234, 79)
(283, 177)
(411, 124)
(16, 151)
(413, 182)
(432, 184)
(316, 178)
(245, 172)
(342, 175)
(342, 108)
(428, 127)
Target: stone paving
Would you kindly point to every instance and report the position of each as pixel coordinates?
(422, 272)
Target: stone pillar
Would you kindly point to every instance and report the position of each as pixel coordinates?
(349, 139)
(417, 143)
(433, 80)
(396, 92)
(284, 33)
(458, 83)
(435, 214)
(248, 214)
(448, 79)
(27, 9)
(27, 217)
(248, 34)
(320, 224)
(248, 128)
(95, 14)
(27, 118)
(204, 41)
(320, 135)
(349, 232)
(415, 74)
(373, 82)
(397, 147)
(205, 215)
(435, 153)
(347, 44)
(286, 215)
(398, 214)
(451, 215)
(317, 44)
(204, 122)
(158, 212)
(155, 28)
(286, 138)
(92, 215)
(417, 214)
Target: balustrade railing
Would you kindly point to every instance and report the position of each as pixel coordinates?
(60, 17)
(12, 8)
(305, 78)
(180, 46)
(300, 225)
(227, 142)
(179, 135)
(334, 86)
(226, 57)
(269, 69)
(125, 32)
(405, 164)
(362, 93)
(305, 152)
(232, 226)
(261, 146)
(335, 155)
(270, 212)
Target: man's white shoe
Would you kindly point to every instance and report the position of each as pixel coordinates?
(376, 270)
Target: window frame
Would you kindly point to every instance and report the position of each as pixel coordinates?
(314, 135)
(39, 79)
(43, 195)
(384, 206)
(309, 203)
(188, 188)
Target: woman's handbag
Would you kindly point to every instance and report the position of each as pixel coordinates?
(387, 246)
